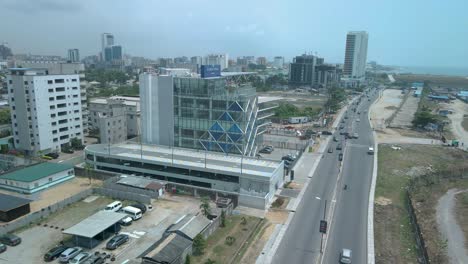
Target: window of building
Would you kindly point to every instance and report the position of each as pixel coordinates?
(52, 107)
(13, 107)
(60, 97)
(75, 103)
(49, 81)
(10, 81)
(52, 115)
(64, 137)
(75, 88)
(51, 90)
(51, 98)
(59, 80)
(54, 123)
(60, 89)
(25, 82)
(54, 131)
(55, 139)
(11, 90)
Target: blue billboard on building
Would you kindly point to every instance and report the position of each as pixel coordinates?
(208, 71)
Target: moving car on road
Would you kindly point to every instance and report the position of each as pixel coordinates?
(345, 256)
(340, 157)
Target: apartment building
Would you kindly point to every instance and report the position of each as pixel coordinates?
(45, 109)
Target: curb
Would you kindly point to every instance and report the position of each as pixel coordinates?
(370, 208)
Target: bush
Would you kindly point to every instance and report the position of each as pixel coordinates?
(230, 240)
(199, 245)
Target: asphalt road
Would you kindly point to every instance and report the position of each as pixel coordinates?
(348, 229)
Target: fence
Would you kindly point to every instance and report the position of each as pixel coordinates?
(112, 184)
(121, 195)
(99, 175)
(423, 257)
(216, 222)
(43, 213)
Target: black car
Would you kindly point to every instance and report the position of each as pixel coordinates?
(10, 240)
(53, 155)
(288, 158)
(338, 147)
(116, 241)
(340, 157)
(54, 253)
(326, 132)
(3, 248)
(140, 206)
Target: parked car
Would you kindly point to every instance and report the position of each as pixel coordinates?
(80, 258)
(10, 240)
(140, 206)
(96, 259)
(356, 135)
(3, 248)
(54, 253)
(330, 150)
(339, 147)
(358, 120)
(126, 221)
(53, 155)
(340, 156)
(289, 157)
(258, 156)
(266, 150)
(341, 127)
(335, 139)
(325, 132)
(69, 254)
(117, 241)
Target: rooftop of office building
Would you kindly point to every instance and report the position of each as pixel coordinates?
(189, 158)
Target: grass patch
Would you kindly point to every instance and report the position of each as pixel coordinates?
(465, 123)
(216, 247)
(394, 238)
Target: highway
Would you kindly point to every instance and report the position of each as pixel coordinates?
(347, 227)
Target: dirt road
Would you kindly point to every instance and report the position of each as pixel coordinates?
(450, 229)
(460, 109)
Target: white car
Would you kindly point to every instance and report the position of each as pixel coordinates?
(358, 120)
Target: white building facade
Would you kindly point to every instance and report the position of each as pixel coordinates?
(278, 62)
(355, 55)
(157, 109)
(217, 59)
(45, 109)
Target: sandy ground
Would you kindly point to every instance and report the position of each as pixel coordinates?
(460, 108)
(406, 114)
(450, 228)
(255, 249)
(384, 107)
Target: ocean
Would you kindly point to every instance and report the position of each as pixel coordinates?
(451, 71)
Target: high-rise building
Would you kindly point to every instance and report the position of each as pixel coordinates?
(217, 59)
(196, 60)
(355, 55)
(302, 70)
(107, 40)
(278, 62)
(58, 68)
(45, 109)
(213, 114)
(117, 53)
(261, 61)
(73, 55)
(111, 121)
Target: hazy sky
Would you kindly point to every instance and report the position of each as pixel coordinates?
(401, 32)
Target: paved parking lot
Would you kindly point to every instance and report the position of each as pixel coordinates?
(38, 239)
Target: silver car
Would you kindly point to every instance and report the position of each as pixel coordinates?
(80, 258)
(345, 256)
(69, 254)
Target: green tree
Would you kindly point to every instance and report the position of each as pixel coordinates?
(187, 259)
(223, 218)
(210, 261)
(205, 206)
(5, 117)
(199, 245)
(423, 117)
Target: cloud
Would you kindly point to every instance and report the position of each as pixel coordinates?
(38, 6)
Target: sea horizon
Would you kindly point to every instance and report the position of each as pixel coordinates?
(449, 71)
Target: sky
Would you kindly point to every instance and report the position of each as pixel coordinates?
(401, 32)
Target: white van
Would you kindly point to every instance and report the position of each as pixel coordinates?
(114, 206)
(371, 151)
(133, 212)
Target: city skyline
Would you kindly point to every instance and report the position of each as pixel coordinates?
(395, 35)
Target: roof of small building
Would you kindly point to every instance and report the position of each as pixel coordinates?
(9, 202)
(170, 249)
(95, 224)
(190, 225)
(35, 172)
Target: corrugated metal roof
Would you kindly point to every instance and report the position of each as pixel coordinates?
(8, 202)
(170, 249)
(191, 225)
(36, 172)
(95, 224)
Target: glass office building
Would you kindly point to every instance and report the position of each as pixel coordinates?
(216, 114)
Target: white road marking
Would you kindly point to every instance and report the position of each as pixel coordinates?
(318, 198)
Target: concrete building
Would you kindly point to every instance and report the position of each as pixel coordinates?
(176, 72)
(250, 181)
(36, 177)
(278, 62)
(217, 59)
(45, 109)
(12, 207)
(302, 70)
(60, 67)
(355, 55)
(100, 107)
(157, 110)
(107, 40)
(112, 123)
(172, 250)
(73, 55)
(261, 61)
(215, 114)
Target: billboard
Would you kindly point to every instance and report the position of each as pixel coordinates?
(208, 71)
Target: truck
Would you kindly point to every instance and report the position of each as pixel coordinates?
(298, 119)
